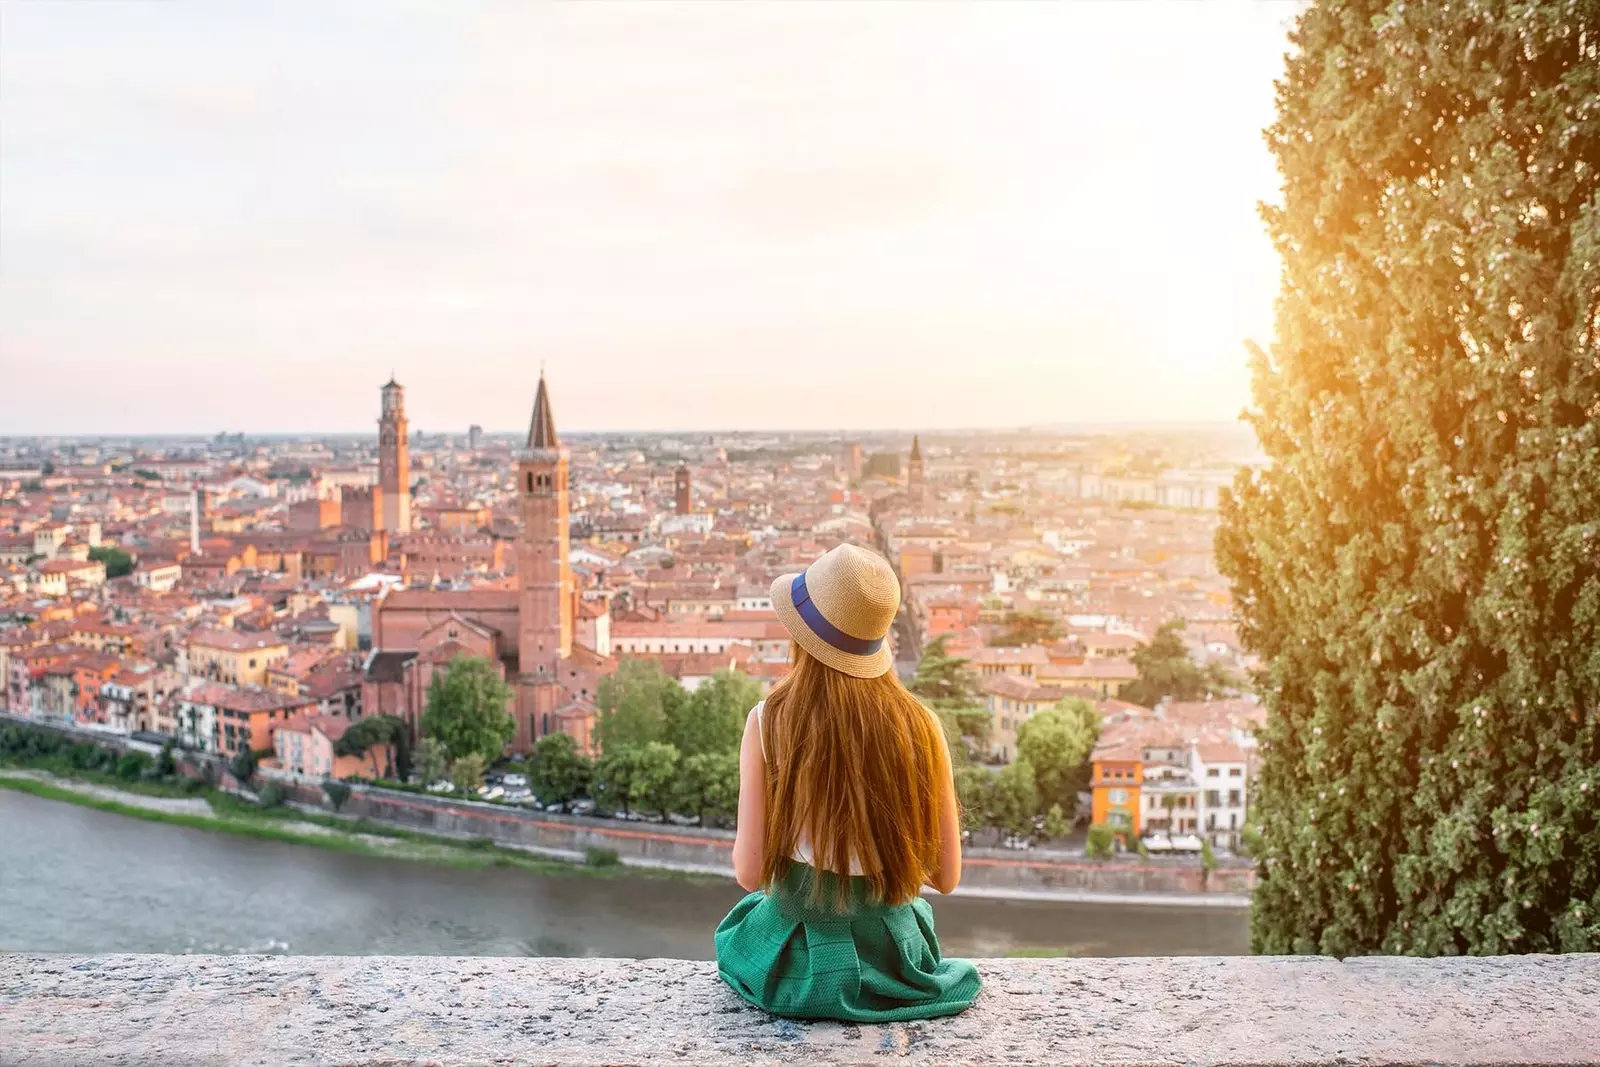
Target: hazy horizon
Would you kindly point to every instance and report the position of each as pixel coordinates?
(762, 218)
(865, 432)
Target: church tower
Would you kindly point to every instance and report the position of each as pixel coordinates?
(914, 466)
(394, 460)
(544, 571)
(680, 490)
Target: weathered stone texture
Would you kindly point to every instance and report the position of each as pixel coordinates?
(285, 1010)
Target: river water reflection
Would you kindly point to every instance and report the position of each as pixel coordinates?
(74, 879)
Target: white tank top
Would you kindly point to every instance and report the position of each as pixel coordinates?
(802, 851)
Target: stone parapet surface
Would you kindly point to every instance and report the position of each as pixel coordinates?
(62, 1011)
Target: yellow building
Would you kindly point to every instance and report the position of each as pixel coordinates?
(1107, 677)
(1116, 782)
(233, 656)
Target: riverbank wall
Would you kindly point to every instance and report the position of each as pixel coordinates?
(984, 871)
(988, 872)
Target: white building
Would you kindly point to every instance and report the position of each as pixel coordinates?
(1220, 772)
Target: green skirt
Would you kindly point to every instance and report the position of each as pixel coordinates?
(868, 964)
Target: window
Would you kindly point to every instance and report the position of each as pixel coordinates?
(1235, 772)
(1233, 798)
(1118, 796)
(1212, 772)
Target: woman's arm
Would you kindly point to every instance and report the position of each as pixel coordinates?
(749, 839)
(948, 876)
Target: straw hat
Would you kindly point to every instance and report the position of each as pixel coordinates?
(840, 610)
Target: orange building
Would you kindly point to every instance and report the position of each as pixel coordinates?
(915, 559)
(1116, 782)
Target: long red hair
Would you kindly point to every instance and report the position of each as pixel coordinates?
(856, 767)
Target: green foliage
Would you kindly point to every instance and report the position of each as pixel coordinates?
(708, 786)
(1418, 565)
(950, 724)
(243, 765)
(1055, 822)
(944, 680)
(336, 792)
(432, 762)
(1208, 858)
(1026, 628)
(635, 703)
(1144, 853)
(1016, 798)
(271, 794)
(557, 771)
(975, 789)
(637, 778)
(1166, 671)
(466, 773)
(651, 775)
(467, 709)
(366, 737)
(712, 718)
(132, 766)
(1249, 839)
(118, 562)
(601, 857)
(975, 724)
(166, 765)
(1057, 742)
(1101, 841)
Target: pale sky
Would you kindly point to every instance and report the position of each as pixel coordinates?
(243, 216)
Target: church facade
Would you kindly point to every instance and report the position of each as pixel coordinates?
(526, 632)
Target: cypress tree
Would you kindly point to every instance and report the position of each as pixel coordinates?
(1419, 566)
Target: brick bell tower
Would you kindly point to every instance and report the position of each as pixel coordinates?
(394, 460)
(544, 571)
(680, 490)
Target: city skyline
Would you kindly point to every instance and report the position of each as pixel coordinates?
(753, 219)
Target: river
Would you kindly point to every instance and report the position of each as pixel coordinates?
(74, 879)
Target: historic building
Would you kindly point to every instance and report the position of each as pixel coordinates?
(394, 460)
(527, 632)
(680, 490)
(914, 468)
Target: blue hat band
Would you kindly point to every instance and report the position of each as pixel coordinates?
(835, 637)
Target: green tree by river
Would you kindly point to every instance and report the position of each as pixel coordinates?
(1419, 565)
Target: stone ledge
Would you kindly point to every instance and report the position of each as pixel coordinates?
(372, 1010)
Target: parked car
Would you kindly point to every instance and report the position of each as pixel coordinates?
(515, 781)
(1187, 843)
(1013, 841)
(443, 785)
(491, 792)
(683, 820)
(518, 796)
(580, 806)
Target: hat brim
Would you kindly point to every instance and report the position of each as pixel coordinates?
(868, 666)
